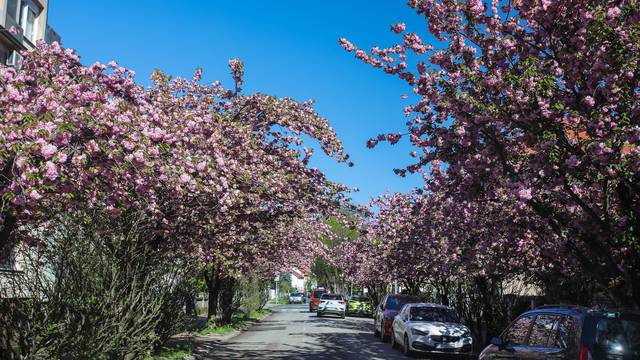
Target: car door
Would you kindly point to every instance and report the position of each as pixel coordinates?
(543, 338)
(514, 339)
(400, 322)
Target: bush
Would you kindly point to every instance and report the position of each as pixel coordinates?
(95, 289)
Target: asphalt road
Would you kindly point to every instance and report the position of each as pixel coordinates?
(292, 332)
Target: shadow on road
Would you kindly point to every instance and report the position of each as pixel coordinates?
(312, 338)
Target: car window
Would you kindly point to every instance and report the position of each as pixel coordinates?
(396, 303)
(544, 327)
(424, 313)
(516, 334)
(566, 336)
(318, 293)
(616, 336)
(358, 298)
(331, 297)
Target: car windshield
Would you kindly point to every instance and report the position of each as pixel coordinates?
(397, 302)
(331, 297)
(358, 298)
(425, 313)
(318, 293)
(618, 336)
(296, 294)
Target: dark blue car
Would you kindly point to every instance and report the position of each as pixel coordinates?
(569, 332)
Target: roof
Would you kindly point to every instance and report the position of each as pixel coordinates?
(431, 305)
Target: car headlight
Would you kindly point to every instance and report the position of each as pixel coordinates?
(419, 332)
(466, 333)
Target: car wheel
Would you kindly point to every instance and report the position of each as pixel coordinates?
(405, 346)
(394, 343)
(318, 314)
(343, 315)
(383, 336)
(376, 331)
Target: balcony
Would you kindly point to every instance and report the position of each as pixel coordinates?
(16, 38)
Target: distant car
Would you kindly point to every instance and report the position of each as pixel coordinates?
(569, 332)
(430, 328)
(296, 298)
(359, 305)
(331, 304)
(314, 299)
(387, 310)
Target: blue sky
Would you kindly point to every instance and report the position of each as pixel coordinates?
(290, 48)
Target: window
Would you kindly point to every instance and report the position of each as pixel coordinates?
(544, 327)
(618, 337)
(12, 9)
(397, 302)
(424, 313)
(516, 334)
(29, 12)
(567, 334)
(331, 297)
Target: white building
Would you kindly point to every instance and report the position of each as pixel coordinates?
(298, 279)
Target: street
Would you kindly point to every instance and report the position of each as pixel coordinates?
(292, 332)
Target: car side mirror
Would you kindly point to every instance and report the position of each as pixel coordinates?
(382, 307)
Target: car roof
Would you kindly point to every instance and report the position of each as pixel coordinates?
(559, 311)
(404, 296)
(581, 311)
(430, 305)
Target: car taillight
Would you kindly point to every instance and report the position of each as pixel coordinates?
(341, 302)
(585, 354)
(322, 301)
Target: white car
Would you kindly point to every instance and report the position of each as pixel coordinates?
(331, 304)
(430, 328)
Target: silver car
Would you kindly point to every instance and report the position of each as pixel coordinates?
(430, 328)
(296, 298)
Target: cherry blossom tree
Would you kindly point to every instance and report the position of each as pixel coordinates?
(221, 176)
(537, 101)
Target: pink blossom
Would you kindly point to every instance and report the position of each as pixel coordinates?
(589, 101)
(51, 170)
(398, 28)
(48, 150)
(525, 194)
(185, 178)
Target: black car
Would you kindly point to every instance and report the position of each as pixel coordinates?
(569, 332)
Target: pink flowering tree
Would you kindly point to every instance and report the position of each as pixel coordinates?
(222, 177)
(538, 101)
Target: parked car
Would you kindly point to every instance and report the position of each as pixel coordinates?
(331, 304)
(387, 310)
(569, 332)
(315, 298)
(359, 305)
(297, 298)
(430, 328)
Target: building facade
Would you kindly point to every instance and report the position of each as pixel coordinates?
(22, 24)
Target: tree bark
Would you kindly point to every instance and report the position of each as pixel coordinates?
(212, 279)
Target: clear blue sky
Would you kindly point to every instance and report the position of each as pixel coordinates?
(290, 48)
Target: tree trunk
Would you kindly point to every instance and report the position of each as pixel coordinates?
(7, 243)
(227, 303)
(212, 279)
